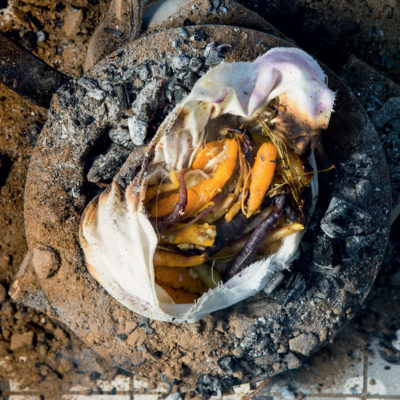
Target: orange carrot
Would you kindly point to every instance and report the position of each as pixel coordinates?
(179, 296)
(198, 234)
(203, 156)
(203, 192)
(261, 176)
(179, 278)
(164, 258)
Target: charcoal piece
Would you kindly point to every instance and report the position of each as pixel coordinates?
(273, 283)
(295, 286)
(107, 86)
(211, 54)
(105, 166)
(87, 83)
(323, 252)
(183, 32)
(388, 113)
(195, 64)
(179, 94)
(96, 94)
(129, 73)
(229, 364)
(199, 35)
(112, 107)
(122, 92)
(208, 385)
(146, 102)
(120, 135)
(143, 72)
(189, 80)
(180, 62)
(137, 130)
(28, 41)
(344, 219)
(41, 36)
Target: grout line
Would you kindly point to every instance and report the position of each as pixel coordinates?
(353, 396)
(365, 376)
(131, 388)
(334, 395)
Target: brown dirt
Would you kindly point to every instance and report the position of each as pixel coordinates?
(48, 357)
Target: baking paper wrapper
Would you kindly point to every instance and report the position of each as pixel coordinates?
(116, 235)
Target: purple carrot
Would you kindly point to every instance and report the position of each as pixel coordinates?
(226, 231)
(248, 148)
(164, 223)
(249, 251)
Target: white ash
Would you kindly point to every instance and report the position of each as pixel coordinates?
(107, 86)
(147, 100)
(212, 54)
(180, 62)
(143, 72)
(155, 88)
(112, 107)
(137, 130)
(183, 32)
(96, 94)
(195, 64)
(121, 136)
(287, 393)
(107, 165)
(87, 83)
(41, 36)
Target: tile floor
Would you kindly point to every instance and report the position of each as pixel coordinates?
(336, 372)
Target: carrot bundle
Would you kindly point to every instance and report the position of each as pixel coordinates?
(226, 216)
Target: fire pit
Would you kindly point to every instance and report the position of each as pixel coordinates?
(86, 142)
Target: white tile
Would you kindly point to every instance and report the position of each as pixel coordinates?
(139, 384)
(383, 377)
(16, 387)
(79, 388)
(120, 383)
(146, 397)
(95, 397)
(22, 397)
(330, 371)
(318, 397)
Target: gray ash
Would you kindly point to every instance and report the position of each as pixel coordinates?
(105, 165)
(138, 100)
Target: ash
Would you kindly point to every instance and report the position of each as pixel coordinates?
(136, 101)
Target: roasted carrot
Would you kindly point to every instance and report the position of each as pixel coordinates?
(210, 276)
(197, 234)
(233, 211)
(203, 192)
(207, 153)
(275, 236)
(153, 191)
(164, 258)
(179, 278)
(179, 296)
(261, 176)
